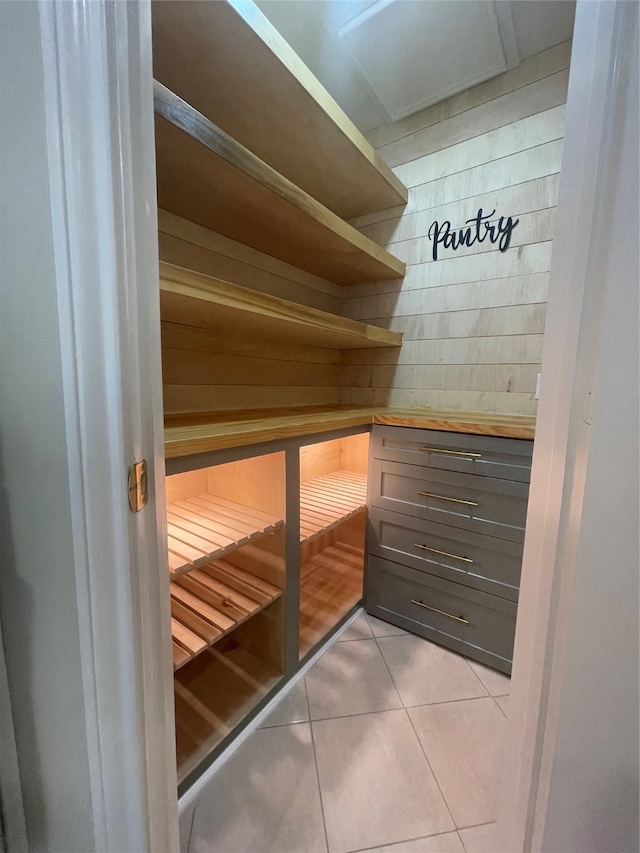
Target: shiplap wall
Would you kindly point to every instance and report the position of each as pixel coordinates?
(203, 371)
(473, 320)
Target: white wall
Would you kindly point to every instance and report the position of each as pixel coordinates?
(37, 580)
(594, 789)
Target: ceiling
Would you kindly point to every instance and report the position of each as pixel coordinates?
(385, 59)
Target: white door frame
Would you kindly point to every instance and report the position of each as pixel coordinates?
(562, 433)
(100, 141)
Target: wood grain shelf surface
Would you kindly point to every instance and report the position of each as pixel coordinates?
(209, 603)
(212, 695)
(200, 432)
(327, 501)
(192, 299)
(204, 527)
(206, 176)
(330, 585)
(229, 62)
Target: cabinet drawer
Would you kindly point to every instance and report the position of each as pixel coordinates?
(486, 456)
(482, 562)
(480, 504)
(468, 621)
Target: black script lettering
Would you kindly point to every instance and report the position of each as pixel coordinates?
(500, 232)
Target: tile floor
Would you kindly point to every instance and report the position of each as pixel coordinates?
(390, 743)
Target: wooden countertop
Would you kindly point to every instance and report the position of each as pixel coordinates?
(202, 432)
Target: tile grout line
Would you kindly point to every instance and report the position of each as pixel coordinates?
(315, 761)
(406, 841)
(193, 819)
(424, 752)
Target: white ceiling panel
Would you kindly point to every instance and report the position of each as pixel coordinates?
(404, 50)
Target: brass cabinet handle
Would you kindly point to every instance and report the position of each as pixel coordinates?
(452, 452)
(441, 612)
(445, 498)
(443, 553)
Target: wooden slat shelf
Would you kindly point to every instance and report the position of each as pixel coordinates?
(208, 177)
(199, 432)
(232, 65)
(209, 603)
(192, 299)
(205, 528)
(330, 585)
(329, 500)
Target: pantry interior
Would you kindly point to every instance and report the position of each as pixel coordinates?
(301, 302)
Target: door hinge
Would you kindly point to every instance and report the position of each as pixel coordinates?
(138, 491)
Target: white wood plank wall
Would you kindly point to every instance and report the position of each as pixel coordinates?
(473, 320)
(203, 371)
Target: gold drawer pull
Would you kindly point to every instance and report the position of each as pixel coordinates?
(445, 498)
(444, 553)
(441, 612)
(452, 452)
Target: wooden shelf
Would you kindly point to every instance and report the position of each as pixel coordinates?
(329, 500)
(204, 528)
(199, 432)
(209, 603)
(212, 695)
(232, 65)
(193, 299)
(330, 585)
(208, 177)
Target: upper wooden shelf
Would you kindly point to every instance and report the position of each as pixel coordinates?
(207, 176)
(193, 299)
(229, 62)
(201, 432)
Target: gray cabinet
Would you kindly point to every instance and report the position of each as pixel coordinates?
(447, 514)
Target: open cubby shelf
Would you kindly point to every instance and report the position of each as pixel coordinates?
(327, 501)
(212, 694)
(209, 603)
(330, 585)
(206, 176)
(196, 300)
(206, 527)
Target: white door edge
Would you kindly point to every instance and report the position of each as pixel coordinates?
(99, 115)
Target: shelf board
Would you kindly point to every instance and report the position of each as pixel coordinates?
(327, 501)
(208, 177)
(204, 528)
(209, 603)
(212, 696)
(330, 585)
(193, 299)
(200, 432)
(232, 65)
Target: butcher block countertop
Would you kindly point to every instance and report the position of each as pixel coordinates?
(186, 434)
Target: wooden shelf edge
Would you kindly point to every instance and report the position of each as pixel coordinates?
(269, 314)
(361, 259)
(201, 432)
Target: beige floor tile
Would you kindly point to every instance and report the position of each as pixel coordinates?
(265, 799)
(463, 741)
(503, 701)
(496, 683)
(292, 708)
(358, 630)
(449, 842)
(350, 678)
(481, 839)
(425, 673)
(376, 785)
(383, 629)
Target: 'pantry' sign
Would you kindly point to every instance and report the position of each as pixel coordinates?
(441, 234)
